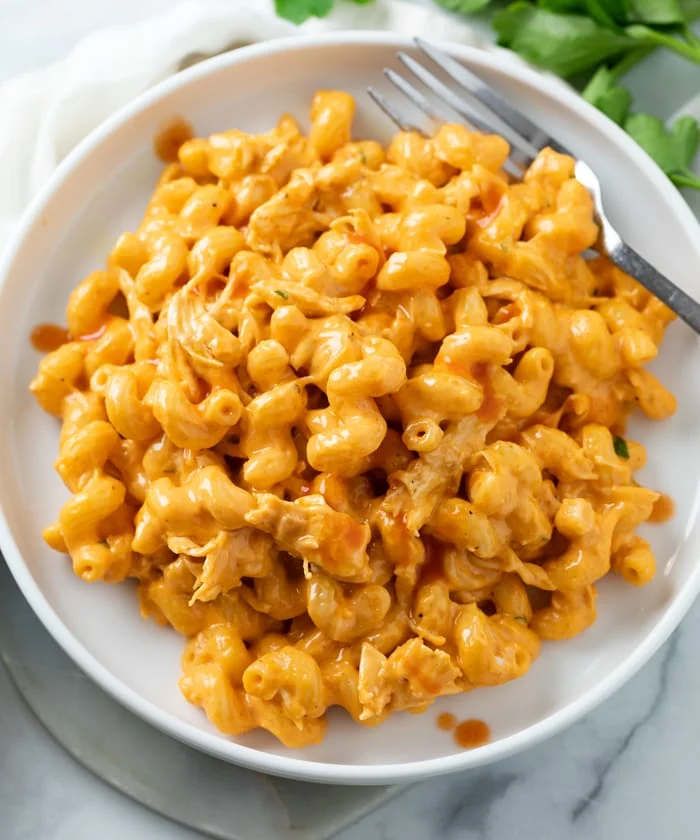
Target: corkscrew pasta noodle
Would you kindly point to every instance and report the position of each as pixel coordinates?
(353, 418)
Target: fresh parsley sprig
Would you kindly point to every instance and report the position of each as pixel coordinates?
(574, 36)
(673, 149)
(464, 7)
(300, 10)
(592, 43)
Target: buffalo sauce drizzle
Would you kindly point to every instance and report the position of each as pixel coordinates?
(446, 721)
(49, 337)
(170, 137)
(492, 406)
(472, 733)
(468, 734)
(663, 510)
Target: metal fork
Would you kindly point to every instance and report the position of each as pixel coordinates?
(494, 114)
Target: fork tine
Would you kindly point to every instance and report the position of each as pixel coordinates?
(391, 112)
(494, 123)
(478, 89)
(446, 95)
(424, 105)
(412, 93)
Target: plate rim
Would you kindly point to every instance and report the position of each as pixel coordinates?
(217, 744)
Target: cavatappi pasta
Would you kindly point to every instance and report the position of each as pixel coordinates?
(352, 416)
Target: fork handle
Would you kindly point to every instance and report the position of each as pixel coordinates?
(661, 287)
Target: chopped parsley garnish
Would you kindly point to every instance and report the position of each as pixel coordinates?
(621, 448)
(282, 294)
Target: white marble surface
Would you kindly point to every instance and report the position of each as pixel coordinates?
(629, 771)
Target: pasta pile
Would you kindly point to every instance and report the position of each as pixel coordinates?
(352, 417)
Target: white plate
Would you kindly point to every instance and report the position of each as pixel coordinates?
(101, 189)
(224, 801)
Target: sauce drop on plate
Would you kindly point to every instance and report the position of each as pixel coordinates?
(472, 733)
(171, 136)
(468, 734)
(446, 721)
(664, 509)
(48, 337)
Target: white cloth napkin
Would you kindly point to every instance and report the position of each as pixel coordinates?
(46, 113)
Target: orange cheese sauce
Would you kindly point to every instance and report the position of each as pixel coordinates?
(48, 337)
(468, 734)
(171, 136)
(446, 721)
(472, 733)
(664, 509)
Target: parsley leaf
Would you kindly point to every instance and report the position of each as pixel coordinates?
(600, 82)
(686, 179)
(300, 10)
(620, 447)
(685, 136)
(685, 46)
(619, 12)
(613, 100)
(673, 150)
(658, 12)
(464, 7)
(577, 38)
(563, 6)
(282, 294)
(651, 135)
(606, 12)
(563, 43)
(521, 619)
(690, 9)
(615, 103)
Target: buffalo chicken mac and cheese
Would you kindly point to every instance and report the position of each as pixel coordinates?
(352, 418)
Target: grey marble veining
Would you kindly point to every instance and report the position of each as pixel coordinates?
(629, 771)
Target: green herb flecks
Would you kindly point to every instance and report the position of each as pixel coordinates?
(621, 448)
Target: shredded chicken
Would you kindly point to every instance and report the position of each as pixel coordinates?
(310, 529)
(414, 492)
(410, 678)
